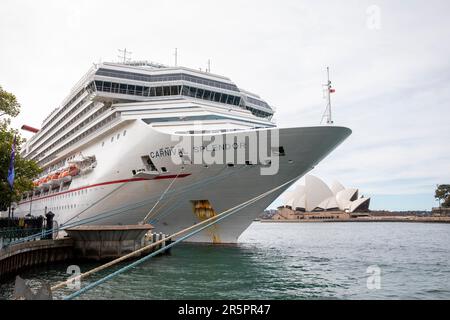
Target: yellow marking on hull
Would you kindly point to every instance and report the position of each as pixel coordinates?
(203, 210)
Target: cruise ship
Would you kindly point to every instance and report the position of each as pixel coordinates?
(138, 142)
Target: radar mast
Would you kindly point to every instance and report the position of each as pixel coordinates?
(328, 91)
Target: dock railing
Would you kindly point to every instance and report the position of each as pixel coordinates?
(12, 229)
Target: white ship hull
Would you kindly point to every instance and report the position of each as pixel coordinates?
(113, 194)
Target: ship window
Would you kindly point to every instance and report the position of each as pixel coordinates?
(123, 88)
(167, 91)
(216, 96)
(230, 99)
(131, 89)
(115, 88)
(107, 86)
(175, 90)
(146, 91)
(124, 133)
(192, 91)
(118, 136)
(152, 92)
(112, 139)
(199, 93)
(163, 169)
(223, 98)
(99, 85)
(159, 91)
(139, 90)
(207, 95)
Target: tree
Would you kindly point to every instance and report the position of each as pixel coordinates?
(443, 194)
(8, 104)
(25, 170)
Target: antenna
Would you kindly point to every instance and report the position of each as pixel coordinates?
(176, 57)
(209, 66)
(328, 91)
(124, 57)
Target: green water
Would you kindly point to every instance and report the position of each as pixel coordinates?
(286, 261)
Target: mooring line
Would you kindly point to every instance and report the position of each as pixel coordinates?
(205, 224)
(117, 211)
(161, 197)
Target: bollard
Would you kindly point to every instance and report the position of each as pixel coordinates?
(49, 216)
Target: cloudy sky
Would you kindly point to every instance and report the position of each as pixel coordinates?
(389, 61)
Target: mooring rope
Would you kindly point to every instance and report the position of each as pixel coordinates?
(161, 197)
(110, 213)
(205, 224)
(158, 215)
(93, 204)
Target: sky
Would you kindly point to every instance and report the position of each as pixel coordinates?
(389, 65)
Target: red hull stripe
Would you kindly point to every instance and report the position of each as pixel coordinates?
(172, 176)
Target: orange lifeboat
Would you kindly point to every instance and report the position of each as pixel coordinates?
(46, 182)
(70, 172)
(54, 178)
(65, 175)
(36, 183)
(74, 170)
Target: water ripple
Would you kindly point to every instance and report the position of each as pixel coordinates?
(286, 261)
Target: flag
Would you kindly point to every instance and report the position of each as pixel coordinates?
(11, 172)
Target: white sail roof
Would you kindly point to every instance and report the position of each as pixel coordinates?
(328, 204)
(355, 205)
(315, 194)
(290, 202)
(336, 186)
(299, 203)
(287, 196)
(344, 197)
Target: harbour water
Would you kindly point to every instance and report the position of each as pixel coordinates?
(287, 261)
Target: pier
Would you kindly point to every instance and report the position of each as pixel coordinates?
(107, 242)
(18, 257)
(98, 243)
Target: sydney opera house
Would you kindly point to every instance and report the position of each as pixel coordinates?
(316, 196)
